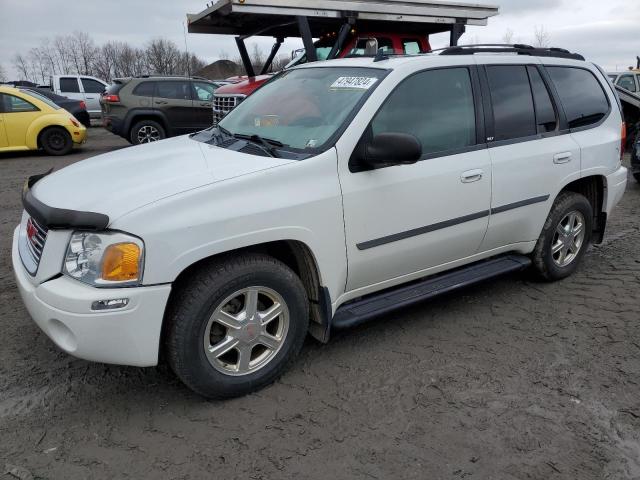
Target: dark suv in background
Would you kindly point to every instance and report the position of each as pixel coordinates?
(147, 109)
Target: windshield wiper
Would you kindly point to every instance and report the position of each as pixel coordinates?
(267, 143)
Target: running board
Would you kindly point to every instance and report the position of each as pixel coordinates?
(359, 311)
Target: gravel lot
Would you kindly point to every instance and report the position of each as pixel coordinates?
(512, 379)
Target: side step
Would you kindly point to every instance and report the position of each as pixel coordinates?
(359, 311)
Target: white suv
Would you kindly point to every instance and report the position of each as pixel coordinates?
(336, 192)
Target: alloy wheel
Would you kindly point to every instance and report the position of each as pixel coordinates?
(568, 239)
(148, 134)
(246, 331)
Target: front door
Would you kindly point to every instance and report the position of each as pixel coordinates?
(203, 103)
(92, 91)
(18, 114)
(403, 220)
(3, 133)
(173, 98)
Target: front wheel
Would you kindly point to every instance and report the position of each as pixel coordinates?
(564, 238)
(56, 141)
(236, 325)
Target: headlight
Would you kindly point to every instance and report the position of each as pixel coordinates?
(105, 259)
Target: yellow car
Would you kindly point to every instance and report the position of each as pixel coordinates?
(29, 121)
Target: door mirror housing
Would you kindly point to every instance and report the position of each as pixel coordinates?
(388, 149)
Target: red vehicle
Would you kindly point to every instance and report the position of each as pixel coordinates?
(344, 28)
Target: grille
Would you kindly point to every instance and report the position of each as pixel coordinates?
(36, 238)
(223, 104)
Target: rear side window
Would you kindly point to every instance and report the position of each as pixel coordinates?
(582, 96)
(69, 85)
(436, 107)
(627, 82)
(513, 109)
(13, 104)
(173, 90)
(92, 86)
(546, 118)
(145, 89)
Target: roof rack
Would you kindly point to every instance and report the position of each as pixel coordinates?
(518, 49)
(158, 75)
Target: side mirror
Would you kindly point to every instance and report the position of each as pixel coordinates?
(388, 149)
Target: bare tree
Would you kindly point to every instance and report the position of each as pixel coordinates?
(163, 56)
(86, 52)
(21, 64)
(3, 76)
(63, 46)
(541, 36)
(508, 37)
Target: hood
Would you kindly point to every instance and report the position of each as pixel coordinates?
(119, 182)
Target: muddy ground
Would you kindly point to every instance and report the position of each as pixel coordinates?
(512, 379)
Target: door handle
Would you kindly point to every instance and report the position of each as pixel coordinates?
(471, 176)
(206, 105)
(161, 102)
(562, 158)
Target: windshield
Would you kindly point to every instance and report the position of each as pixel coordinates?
(42, 98)
(303, 108)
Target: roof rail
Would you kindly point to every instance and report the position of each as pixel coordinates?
(518, 49)
(158, 75)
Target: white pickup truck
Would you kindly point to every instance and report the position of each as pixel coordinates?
(338, 191)
(80, 87)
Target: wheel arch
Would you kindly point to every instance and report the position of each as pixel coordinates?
(296, 255)
(38, 136)
(593, 188)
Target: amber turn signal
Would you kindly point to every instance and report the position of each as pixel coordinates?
(121, 263)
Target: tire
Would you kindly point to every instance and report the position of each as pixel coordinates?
(569, 209)
(56, 141)
(146, 131)
(208, 356)
(637, 177)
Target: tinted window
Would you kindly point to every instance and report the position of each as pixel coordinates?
(436, 107)
(145, 89)
(13, 104)
(114, 88)
(204, 91)
(69, 85)
(513, 109)
(92, 86)
(582, 96)
(410, 46)
(545, 113)
(174, 90)
(628, 82)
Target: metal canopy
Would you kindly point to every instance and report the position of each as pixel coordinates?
(277, 18)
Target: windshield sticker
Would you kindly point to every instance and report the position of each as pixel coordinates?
(354, 83)
(311, 143)
(266, 121)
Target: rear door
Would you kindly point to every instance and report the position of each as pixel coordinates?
(532, 154)
(173, 98)
(70, 87)
(92, 90)
(203, 103)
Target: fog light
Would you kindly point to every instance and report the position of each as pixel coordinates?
(112, 304)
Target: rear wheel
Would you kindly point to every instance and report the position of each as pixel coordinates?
(147, 131)
(56, 141)
(236, 325)
(565, 237)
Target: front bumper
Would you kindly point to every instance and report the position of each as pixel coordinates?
(61, 307)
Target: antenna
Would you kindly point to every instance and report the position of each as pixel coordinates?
(186, 48)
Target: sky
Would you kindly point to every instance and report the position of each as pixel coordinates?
(606, 32)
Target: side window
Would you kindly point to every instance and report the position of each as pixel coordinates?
(627, 82)
(92, 86)
(581, 94)
(144, 89)
(410, 46)
(13, 104)
(69, 85)
(203, 91)
(384, 43)
(436, 107)
(174, 90)
(513, 110)
(546, 117)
